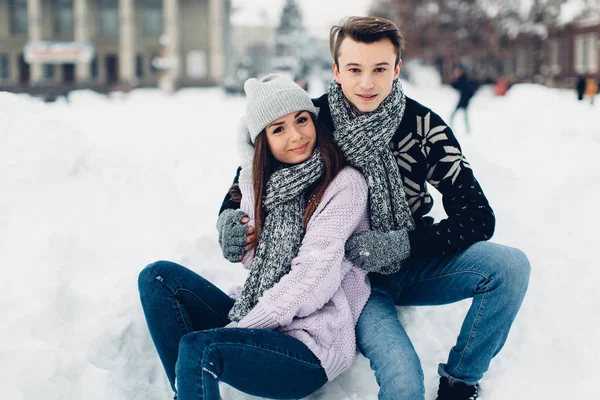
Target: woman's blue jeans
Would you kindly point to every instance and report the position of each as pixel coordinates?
(186, 315)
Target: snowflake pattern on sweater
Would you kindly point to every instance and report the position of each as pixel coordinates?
(427, 151)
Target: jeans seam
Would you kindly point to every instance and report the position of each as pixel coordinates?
(180, 317)
(201, 301)
(398, 293)
(454, 273)
(201, 377)
(473, 328)
(206, 350)
(318, 364)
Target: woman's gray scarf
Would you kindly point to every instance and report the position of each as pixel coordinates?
(282, 232)
(365, 141)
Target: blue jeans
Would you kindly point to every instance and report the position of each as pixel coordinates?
(186, 315)
(494, 276)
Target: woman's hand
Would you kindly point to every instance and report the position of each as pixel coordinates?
(235, 236)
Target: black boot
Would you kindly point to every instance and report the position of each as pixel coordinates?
(457, 390)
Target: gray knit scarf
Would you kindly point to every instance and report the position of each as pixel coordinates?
(282, 233)
(365, 141)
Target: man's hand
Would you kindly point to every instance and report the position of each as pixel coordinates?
(379, 252)
(235, 236)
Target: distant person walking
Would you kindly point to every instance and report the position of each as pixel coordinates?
(467, 88)
(591, 88)
(501, 86)
(580, 87)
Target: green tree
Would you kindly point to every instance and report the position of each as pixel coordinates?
(294, 48)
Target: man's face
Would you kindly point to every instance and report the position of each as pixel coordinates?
(366, 72)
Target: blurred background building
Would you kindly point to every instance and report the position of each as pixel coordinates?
(546, 41)
(103, 44)
(120, 44)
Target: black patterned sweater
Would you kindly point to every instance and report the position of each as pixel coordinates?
(427, 151)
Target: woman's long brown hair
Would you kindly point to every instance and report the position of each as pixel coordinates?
(264, 164)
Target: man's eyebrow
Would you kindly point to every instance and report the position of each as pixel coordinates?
(352, 64)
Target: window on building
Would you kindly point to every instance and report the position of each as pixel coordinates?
(139, 66)
(4, 66)
(109, 17)
(522, 62)
(554, 52)
(62, 10)
(94, 68)
(554, 56)
(18, 17)
(49, 71)
(564, 61)
(580, 53)
(24, 70)
(151, 17)
(68, 73)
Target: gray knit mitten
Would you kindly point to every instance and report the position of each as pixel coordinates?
(232, 234)
(379, 252)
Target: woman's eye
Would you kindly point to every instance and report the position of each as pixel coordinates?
(302, 120)
(277, 130)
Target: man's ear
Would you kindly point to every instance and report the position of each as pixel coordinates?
(336, 72)
(397, 69)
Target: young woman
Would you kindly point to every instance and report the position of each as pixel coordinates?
(291, 329)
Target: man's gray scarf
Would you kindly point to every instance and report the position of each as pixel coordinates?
(282, 231)
(365, 141)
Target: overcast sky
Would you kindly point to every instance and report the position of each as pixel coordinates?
(318, 15)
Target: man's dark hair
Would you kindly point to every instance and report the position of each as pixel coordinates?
(365, 30)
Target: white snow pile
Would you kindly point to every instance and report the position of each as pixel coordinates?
(94, 189)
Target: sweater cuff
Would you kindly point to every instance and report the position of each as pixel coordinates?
(259, 318)
(415, 242)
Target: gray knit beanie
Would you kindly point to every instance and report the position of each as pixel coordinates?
(271, 98)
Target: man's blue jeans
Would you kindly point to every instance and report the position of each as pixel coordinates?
(495, 276)
(186, 315)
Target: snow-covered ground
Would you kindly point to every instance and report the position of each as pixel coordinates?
(93, 190)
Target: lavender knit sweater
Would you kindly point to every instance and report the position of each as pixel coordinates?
(319, 301)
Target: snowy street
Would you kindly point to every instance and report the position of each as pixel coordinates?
(93, 190)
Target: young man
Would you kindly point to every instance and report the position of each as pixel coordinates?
(447, 261)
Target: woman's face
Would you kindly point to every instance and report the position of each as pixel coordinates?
(292, 138)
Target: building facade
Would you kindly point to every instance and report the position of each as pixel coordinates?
(132, 42)
(569, 50)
